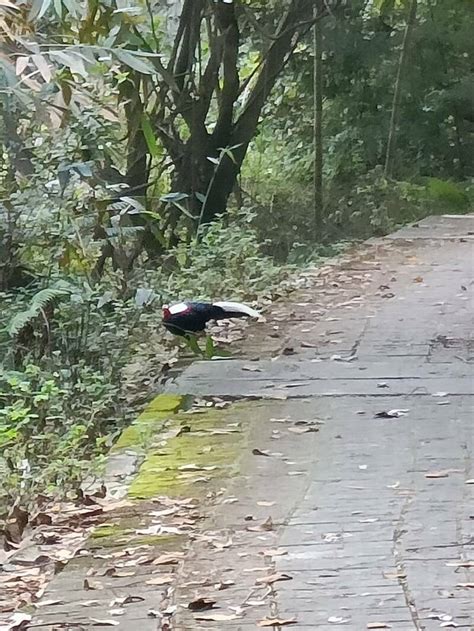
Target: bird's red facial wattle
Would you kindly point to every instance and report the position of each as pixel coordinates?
(166, 312)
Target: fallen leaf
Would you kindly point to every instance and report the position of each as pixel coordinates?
(442, 474)
(217, 617)
(276, 622)
(201, 604)
(392, 413)
(168, 559)
(18, 622)
(223, 585)
(196, 467)
(277, 552)
(267, 525)
(124, 600)
(382, 384)
(161, 580)
(396, 575)
(115, 573)
(418, 279)
(273, 578)
(460, 564)
(378, 625)
(154, 613)
(303, 430)
(259, 452)
(91, 585)
(49, 603)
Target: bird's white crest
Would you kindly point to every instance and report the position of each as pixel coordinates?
(178, 308)
(238, 307)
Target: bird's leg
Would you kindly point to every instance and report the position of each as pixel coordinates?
(192, 344)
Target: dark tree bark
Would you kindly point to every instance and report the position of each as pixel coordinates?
(188, 91)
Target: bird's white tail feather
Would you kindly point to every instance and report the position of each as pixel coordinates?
(237, 307)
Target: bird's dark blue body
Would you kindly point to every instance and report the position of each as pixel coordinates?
(192, 317)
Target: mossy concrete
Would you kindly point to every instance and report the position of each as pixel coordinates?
(182, 452)
(150, 421)
(200, 447)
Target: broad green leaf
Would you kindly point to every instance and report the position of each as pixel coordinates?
(200, 197)
(71, 60)
(152, 145)
(133, 61)
(38, 9)
(174, 197)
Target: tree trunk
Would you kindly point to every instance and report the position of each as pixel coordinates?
(397, 95)
(194, 172)
(317, 128)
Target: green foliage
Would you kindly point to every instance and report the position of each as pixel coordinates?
(225, 262)
(448, 193)
(48, 427)
(38, 304)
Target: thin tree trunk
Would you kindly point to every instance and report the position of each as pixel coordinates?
(397, 95)
(317, 128)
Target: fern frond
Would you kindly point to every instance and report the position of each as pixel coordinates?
(38, 303)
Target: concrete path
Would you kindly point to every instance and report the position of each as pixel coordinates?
(351, 501)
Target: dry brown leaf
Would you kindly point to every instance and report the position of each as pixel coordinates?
(394, 575)
(267, 525)
(273, 578)
(277, 552)
(115, 573)
(91, 585)
(466, 564)
(224, 585)
(441, 474)
(259, 452)
(303, 430)
(276, 622)
(217, 617)
(161, 580)
(201, 604)
(168, 559)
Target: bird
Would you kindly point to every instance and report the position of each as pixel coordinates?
(188, 318)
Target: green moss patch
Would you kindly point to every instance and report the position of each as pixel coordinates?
(207, 449)
(150, 422)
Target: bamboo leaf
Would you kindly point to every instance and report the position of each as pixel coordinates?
(38, 9)
(153, 148)
(133, 61)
